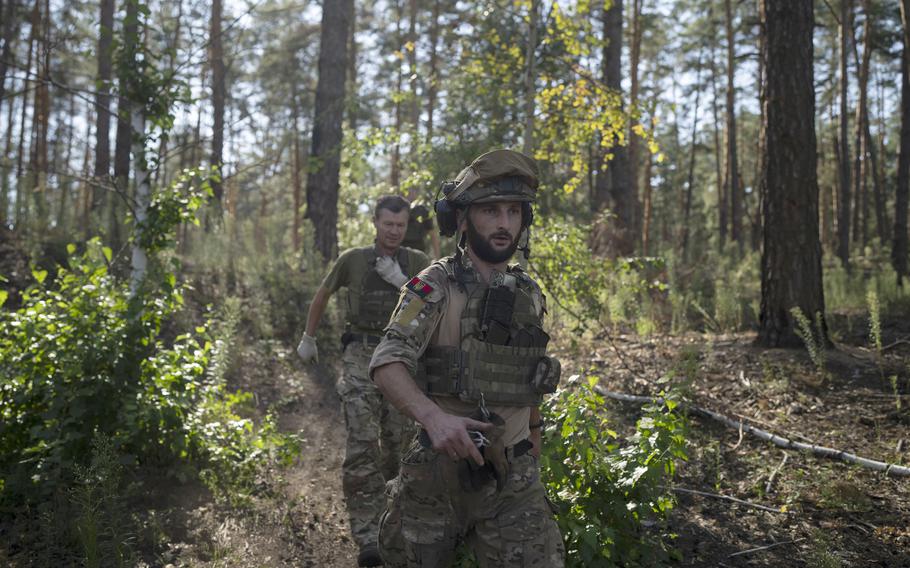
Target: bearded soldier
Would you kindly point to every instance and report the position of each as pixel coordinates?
(375, 430)
(465, 356)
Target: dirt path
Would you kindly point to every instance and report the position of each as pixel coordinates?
(298, 517)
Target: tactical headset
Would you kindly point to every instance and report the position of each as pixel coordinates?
(447, 212)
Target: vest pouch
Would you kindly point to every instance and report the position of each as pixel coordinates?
(502, 373)
(546, 375)
(496, 318)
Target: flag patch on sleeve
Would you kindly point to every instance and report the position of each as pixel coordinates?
(419, 287)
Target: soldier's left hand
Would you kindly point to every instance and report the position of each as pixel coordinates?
(388, 269)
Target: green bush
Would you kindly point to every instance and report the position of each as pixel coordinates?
(606, 491)
(593, 291)
(83, 359)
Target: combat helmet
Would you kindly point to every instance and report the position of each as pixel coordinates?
(500, 175)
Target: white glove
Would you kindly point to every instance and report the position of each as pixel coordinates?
(389, 270)
(307, 349)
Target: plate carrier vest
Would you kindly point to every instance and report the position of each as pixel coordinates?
(502, 373)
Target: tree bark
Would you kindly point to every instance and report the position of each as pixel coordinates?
(843, 212)
(325, 152)
(41, 120)
(690, 178)
(722, 200)
(9, 11)
(295, 175)
(634, 141)
(731, 169)
(791, 256)
(22, 199)
(413, 83)
(124, 140)
(395, 169)
(433, 79)
(899, 250)
(527, 145)
(860, 160)
(218, 98)
(613, 181)
(103, 103)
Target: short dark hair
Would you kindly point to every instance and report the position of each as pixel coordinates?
(394, 203)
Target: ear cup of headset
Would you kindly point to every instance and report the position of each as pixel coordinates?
(527, 215)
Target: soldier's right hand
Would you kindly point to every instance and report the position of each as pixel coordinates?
(307, 349)
(449, 435)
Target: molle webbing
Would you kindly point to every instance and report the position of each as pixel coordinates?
(377, 299)
(502, 373)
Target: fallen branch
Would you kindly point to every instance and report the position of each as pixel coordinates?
(821, 451)
(765, 547)
(726, 498)
(775, 472)
(895, 344)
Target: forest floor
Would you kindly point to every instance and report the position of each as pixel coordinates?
(827, 513)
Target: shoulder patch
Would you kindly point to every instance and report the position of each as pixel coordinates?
(419, 287)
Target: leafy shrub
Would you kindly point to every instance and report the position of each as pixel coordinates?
(606, 491)
(84, 359)
(595, 291)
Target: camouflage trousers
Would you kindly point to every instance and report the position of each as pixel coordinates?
(430, 514)
(376, 433)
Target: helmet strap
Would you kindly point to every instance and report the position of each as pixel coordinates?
(524, 242)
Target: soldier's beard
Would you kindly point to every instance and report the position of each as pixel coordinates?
(483, 248)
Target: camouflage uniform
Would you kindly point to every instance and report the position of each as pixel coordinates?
(375, 429)
(431, 509)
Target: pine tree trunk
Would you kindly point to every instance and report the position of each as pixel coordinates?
(66, 181)
(395, 169)
(218, 100)
(9, 10)
(527, 143)
(690, 178)
(722, 201)
(295, 175)
(353, 87)
(322, 181)
(41, 121)
(103, 104)
(843, 213)
(731, 170)
(791, 256)
(899, 250)
(613, 183)
(432, 88)
(413, 88)
(124, 140)
(22, 189)
(634, 141)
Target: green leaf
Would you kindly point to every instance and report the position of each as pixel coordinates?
(70, 248)
(3, 296)
(108, 253)
(39, 275)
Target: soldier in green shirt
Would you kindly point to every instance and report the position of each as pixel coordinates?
(376, 431)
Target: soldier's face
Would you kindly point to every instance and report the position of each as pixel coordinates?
(493, 230)
(390, 227)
